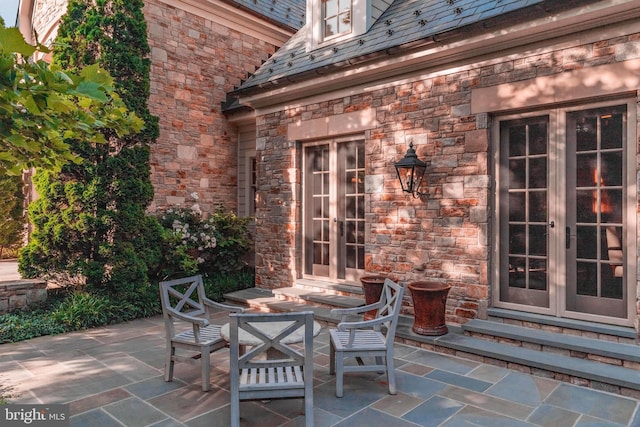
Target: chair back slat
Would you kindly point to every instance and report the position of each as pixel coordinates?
(275, 366)
(183, 295)
(262, 355)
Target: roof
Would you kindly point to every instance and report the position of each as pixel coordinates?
(406, 24)
(289, 13)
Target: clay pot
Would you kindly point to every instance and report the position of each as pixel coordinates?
(429, 303)
(372, 287)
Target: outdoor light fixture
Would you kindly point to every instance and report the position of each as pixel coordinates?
(410, 171)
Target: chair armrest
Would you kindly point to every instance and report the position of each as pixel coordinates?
(344, 312)
(232, 308)
(364, 324)
(191, 319)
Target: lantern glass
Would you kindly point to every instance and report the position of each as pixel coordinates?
(410, 171)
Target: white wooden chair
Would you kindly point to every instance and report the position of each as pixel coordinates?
(272, 369)
(369, 338)
(184, 300)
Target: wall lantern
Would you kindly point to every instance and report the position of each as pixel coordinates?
(410, 171)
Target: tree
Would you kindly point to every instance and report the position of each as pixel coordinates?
(43, 106)
(90, 220)
(11, 212)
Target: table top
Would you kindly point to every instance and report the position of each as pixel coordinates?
(270, 329)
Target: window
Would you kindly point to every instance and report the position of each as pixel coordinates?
(253, 186)
(336, 16)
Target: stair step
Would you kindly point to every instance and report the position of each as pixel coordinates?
(548, 361)
(330, 287)
(318, 297)
(623, 333)
(590, 346)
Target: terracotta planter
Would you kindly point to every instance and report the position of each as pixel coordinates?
(429, 303)
(372, 287)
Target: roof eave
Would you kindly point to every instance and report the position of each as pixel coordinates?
(443, 49)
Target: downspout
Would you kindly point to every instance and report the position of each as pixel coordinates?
(25, 14)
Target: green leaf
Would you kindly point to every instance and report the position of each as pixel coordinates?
(11, 40)
(90, 89)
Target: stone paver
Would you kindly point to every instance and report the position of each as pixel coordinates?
(113, 376)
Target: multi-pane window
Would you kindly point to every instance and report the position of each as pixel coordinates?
(254, 185)
(336, 15)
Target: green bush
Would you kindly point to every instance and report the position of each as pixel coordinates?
(11, 214)
(194, 243)
(83, 310)
(216, 286)
(90, 222)
(25, 325)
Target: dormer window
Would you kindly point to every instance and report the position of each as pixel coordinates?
(336, 15)
(331, 22)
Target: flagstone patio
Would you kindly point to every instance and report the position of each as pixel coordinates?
(113, 376)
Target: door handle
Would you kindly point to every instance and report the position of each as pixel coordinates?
(340, 226)
(567, 237)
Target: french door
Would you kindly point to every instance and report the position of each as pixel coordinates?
(333, 210)
(566, 223)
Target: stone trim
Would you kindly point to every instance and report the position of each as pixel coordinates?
(585, 83)
(327, 127)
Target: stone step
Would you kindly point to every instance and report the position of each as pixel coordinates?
(346, 289)
(303, 294)
(626, 355)
(563, 325)
(616, 379)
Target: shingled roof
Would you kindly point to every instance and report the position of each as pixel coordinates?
(289, 13)
(405, 25)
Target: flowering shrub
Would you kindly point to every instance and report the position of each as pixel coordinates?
(216, 243)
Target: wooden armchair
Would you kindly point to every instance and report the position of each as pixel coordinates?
(272, 369)
(368, 338)
(184, 300)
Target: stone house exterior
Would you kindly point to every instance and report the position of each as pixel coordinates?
(526, 113)
(200, 50)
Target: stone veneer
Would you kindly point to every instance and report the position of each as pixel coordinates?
(195, 62)
(19, 294)
(445, 237)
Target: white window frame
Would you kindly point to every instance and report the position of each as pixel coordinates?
(360, 22)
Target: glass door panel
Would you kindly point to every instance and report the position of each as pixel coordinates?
(334, 210)
(595, 194)
(318, 174)
(523, 207)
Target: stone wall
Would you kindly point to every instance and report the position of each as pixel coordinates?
(20, 294)
(195, 62)
(445, 237)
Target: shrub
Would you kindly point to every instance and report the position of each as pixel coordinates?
(90, 222)
(195, 243)
(11, 214)
(215, 286)
(83, 310)
(25, 325)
